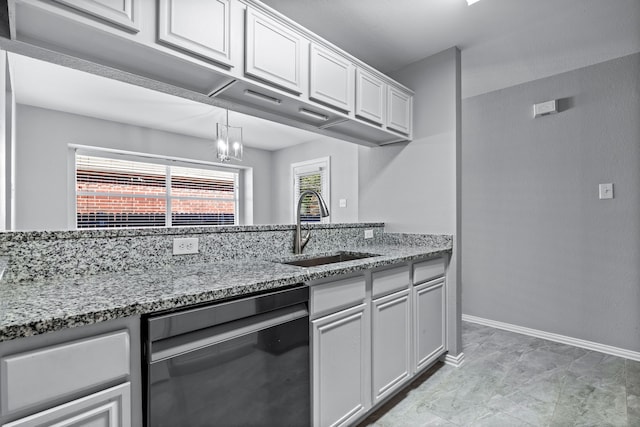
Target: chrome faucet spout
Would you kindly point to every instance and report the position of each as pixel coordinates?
(300, 242)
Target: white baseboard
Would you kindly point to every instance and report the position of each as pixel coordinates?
(589, 345)
(455, 361)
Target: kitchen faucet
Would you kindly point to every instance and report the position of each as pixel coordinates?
(300, 242)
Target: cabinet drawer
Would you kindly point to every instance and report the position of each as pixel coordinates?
(329, 297)
(391, 280)
(427, 270)
(41, 375)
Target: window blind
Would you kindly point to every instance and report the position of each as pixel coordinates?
(203, 197)
(129, 193)
(309, 180)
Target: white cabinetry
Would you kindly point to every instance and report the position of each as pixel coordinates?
(123, 13)
(370, 97)
(198, 27)
(238, 51)
(44, 374)
(339, 367)
(108, 408)
(340, 354)
(372, 334)
(273, 52)
(428, 312)
(390, 340)
(390, 330)
(429, 322)
(87, 377)
(331, 78)
(399, 110)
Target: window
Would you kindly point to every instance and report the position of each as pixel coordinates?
(115, 192)
(311, 175)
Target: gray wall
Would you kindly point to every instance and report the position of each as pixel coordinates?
(540, 249)
(41, 182)
(343, 182)
(411, 187)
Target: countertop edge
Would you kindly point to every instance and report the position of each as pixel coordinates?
(298, 275)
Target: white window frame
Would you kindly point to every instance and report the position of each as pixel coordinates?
(150, 158)
(303, 168)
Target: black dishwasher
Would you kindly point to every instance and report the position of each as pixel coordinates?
(243, 362)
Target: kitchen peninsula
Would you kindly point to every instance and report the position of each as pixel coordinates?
(63, 284)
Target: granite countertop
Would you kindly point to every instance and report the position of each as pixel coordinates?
(37, 307)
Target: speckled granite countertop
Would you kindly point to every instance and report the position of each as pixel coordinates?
(38, 307)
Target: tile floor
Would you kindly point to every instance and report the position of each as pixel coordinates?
(513, 380)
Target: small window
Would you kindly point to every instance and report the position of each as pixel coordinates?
(311, 175)
(114, 192)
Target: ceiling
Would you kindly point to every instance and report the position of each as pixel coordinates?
(503, 43)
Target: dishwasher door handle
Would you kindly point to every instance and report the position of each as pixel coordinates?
(186, 343)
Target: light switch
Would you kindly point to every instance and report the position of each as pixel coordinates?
(605, 191)
(342, 203)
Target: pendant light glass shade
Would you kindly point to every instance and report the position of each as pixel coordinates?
(228, 141)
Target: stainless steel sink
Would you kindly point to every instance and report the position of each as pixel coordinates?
(329, 259)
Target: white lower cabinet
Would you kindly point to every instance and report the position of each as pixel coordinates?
(81, 377)
(391, 343)
(372, 334)
(340, 367)
(107, 408)
(429, 312)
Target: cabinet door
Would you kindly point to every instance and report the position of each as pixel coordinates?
(370, 97)
(273, 52)
(429, 321)
(331, 78)
(123, 13)
(196, 26)
(391, 342)
(339, 367)
(399, 110)
(108, 408)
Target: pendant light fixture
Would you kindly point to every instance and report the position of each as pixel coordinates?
(228, 141)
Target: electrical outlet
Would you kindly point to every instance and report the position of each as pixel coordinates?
(185, 245)
(368, 234)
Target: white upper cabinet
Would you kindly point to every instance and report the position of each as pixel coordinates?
(331, 78)
(370, 97)
(399, 110)
(238, 51)
(273, 52)
(124, 13)
(197, 27)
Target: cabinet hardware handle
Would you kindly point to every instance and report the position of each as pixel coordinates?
(262, 96)
(313, 114)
